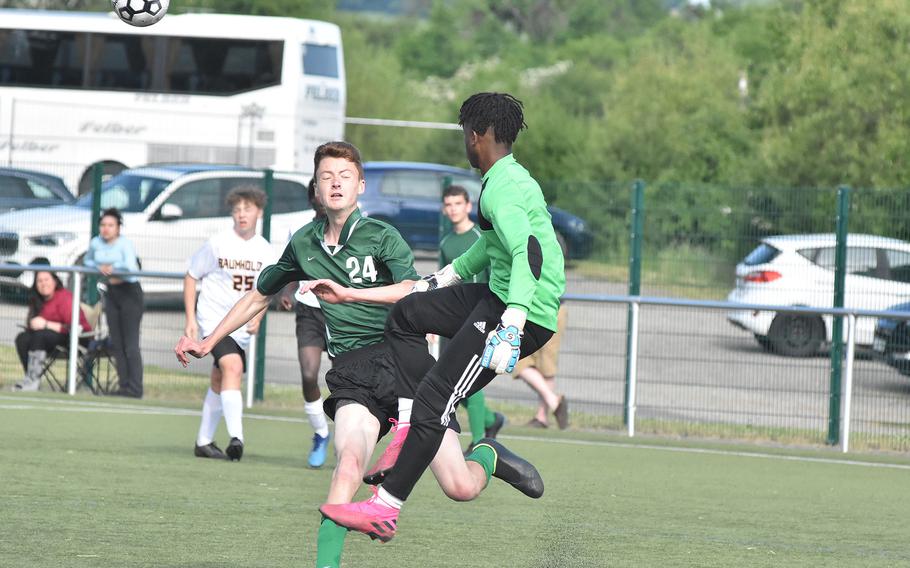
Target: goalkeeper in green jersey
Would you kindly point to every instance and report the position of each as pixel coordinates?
(490, 326)
(456, 206)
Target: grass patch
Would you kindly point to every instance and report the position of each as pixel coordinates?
(117, 488)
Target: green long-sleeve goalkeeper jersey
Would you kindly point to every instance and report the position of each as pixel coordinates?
(369, 254)
(527, 270)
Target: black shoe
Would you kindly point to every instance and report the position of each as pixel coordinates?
(499, 421)
(234, 450)
(209, 451)
(514, 470)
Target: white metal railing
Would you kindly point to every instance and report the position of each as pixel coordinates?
(637, 301)
(78, 272)
(634, 301)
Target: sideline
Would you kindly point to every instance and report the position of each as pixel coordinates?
(61, 405)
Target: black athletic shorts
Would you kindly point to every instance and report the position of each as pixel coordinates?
(227, 346)
(367, 377)
(310, 326)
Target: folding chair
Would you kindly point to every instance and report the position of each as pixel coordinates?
(95, 368)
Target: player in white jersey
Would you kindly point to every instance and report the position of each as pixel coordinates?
(227, 265)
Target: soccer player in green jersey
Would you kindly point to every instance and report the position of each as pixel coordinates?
(456, 206)
(490, 326)
(365, 254)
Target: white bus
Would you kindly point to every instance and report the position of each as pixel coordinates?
(79, 88)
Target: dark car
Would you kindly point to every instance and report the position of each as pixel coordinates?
(892, 340)
(408, 195)
(24, 189)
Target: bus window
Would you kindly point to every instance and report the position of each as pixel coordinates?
(182, 72)
(320, 60)
(119, 63)
(41, 58)
(15, 56)
(209, 66)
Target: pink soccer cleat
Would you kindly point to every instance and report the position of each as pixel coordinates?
(377, 473)
(371, 517)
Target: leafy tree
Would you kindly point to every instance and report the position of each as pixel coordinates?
(836, 112)
(434, 48)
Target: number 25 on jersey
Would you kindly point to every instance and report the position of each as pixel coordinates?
(243, 283)
(358, 275)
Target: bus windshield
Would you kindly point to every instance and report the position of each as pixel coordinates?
(129, 193)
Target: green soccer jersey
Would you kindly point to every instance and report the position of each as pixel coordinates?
(455, 244)
(369, 254)
(519, 246)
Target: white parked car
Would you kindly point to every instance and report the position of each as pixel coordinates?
(169, 211)
(798, 270)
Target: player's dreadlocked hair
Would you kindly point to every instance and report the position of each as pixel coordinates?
(499, 110)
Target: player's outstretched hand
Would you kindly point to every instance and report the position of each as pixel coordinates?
(187, 346)
(503, 348)
(326, 290)
(445, 276)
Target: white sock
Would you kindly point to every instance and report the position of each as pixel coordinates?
(232, 402)
(316, 417)
(211, 416)
(404, 410)
(388, 499)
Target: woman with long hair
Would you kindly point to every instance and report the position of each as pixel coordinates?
(110, 252)
(47, 325)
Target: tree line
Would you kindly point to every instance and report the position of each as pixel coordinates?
(747, 107)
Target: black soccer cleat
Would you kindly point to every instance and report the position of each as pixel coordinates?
(234, 450)
(498, 422)
(514, 470)
(209, 451)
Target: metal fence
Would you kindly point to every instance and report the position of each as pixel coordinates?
(681, 374)
(698, 374)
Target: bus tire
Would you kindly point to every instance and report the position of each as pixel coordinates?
(109, 168)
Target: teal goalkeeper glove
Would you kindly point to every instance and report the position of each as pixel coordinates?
(503, 347)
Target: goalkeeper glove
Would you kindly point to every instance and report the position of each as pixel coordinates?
(503, 347)
(443, 277)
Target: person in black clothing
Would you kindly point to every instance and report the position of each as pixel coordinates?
(110, 252)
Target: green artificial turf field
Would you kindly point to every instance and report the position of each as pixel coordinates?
(90, 482)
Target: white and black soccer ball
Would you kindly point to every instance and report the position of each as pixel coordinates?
(140, 12)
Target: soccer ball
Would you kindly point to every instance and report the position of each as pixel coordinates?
(140, 12)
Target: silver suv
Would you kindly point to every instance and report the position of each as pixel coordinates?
(169, 211)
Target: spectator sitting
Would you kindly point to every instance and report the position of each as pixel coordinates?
(50, 309)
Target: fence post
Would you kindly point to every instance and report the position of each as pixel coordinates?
(75, 330)
(837, 331)
(848, 381)
(91, 282)
(638, 214)
(268, 182)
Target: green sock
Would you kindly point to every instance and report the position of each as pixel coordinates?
(489, 416)
(476, 406)
(329, 544)
(486, 457)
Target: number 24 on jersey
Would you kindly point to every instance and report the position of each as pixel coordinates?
(358, 274)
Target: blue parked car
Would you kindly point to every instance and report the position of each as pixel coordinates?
(892, 340)
(408, 195)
